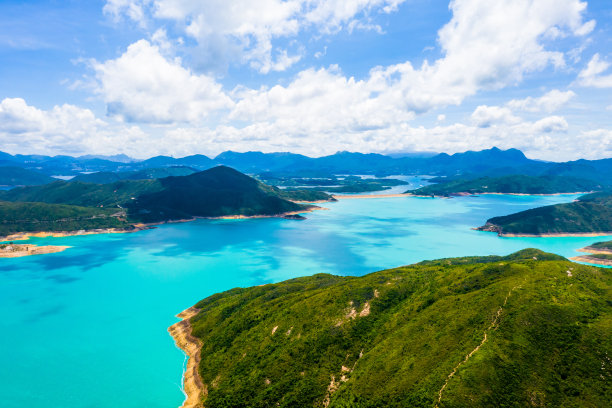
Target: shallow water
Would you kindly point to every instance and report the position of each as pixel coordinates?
(87, 327)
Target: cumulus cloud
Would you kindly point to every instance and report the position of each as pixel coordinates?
(549, 102)
(592, 74)
(144, 86)
(249, 28)
(486, 116)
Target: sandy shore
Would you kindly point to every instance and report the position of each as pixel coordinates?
(555, 234)
(349, 197)
(16, 251)
(192, 383)
(22, 236)
(593, 250)
(592, 260)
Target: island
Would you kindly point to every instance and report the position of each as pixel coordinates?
(589, 215)
(130, 205)
(512, 184)
(330, 183)
(528, 329)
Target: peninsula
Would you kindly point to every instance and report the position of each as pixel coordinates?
(589, 215)
(437, 333)
(75, 206)
(512, 184)
(599, 253)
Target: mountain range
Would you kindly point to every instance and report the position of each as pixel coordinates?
(471, 164)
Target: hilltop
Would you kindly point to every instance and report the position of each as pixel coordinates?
(527, 329)
(591, 213)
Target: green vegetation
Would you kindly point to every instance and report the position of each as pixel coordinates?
(391, 338)
(602, 256)
(602, 245)
(84, 194)
(515, 184)
(17, 176)
(219, 191)
(590, 213)
(31, 217)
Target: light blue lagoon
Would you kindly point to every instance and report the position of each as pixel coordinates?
(87, 327)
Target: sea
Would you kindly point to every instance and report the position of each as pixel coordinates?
(87, 327)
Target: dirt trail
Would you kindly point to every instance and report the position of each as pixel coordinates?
(484, 339)
(192, 383)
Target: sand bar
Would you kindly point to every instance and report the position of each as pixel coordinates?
(16, 251)
(193, 387)
(554, 234)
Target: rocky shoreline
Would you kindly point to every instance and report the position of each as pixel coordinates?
(193, 388)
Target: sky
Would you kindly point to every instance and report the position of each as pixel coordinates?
(181, 77)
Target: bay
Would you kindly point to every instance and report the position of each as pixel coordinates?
(87, 327)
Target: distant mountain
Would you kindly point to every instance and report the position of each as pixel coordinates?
(528, 329)
(258, 162)
(120, 158)
(591, 213)
(492, 162)
(515, 184)
(18, 176)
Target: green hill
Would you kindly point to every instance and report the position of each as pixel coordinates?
(591, 213)
(216, 192)
(17, 176)
(32, 217)
(514, 184)
(219, 191)
(537, 330)
(83, 194)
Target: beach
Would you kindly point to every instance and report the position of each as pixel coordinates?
(592, 260)
(192, 384)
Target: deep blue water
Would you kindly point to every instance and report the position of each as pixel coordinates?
(87, 327)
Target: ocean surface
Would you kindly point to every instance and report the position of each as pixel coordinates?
(87, 327)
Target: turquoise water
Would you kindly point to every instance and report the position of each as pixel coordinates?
(87, 327)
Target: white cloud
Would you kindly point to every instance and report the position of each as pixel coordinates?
(549, 102)
(248, 28)
(142, 85)
(592, 74)
(486, 116)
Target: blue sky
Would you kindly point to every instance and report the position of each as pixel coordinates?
(178, 77)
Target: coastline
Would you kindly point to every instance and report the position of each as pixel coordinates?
(592, 260)
(593, 250)
(554, 234)
(349, 197)
(193, 388)
(467, 194)
(22, 236)
(20, 250)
